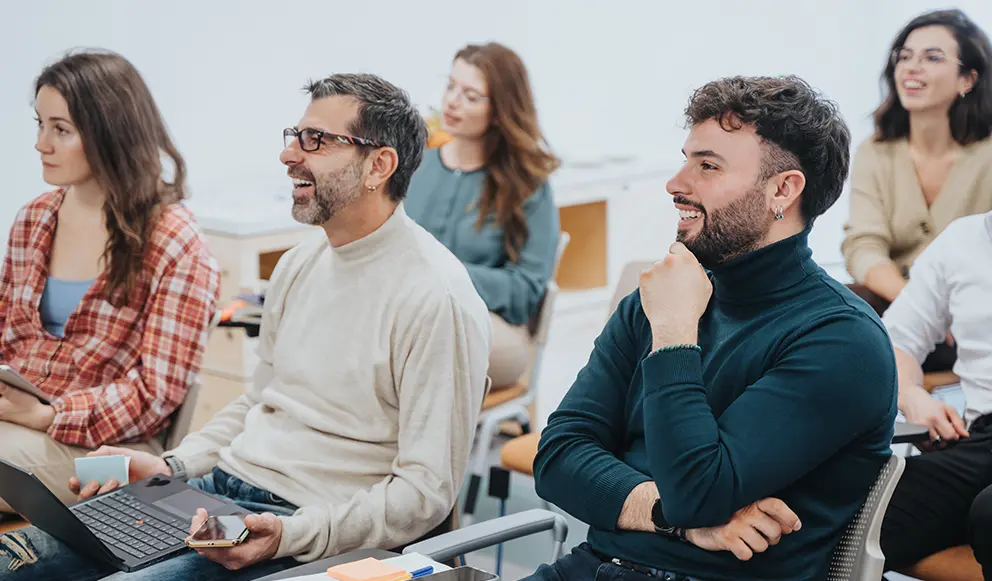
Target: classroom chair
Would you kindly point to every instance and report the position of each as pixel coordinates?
(857, 557)
(182, 418)
(512, 402)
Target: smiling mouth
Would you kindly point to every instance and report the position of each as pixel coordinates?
(913, 84)
(299, 184)
(689, 217)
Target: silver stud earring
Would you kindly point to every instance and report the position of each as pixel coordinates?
(371, 188)
(963, 93)
(779, 213)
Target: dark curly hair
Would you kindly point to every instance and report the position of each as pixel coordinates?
(801, 130)
(970, 116)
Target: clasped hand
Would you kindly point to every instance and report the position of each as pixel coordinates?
(674, 294)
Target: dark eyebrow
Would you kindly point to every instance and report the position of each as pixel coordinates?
(704, 153)
(928, 49)
(54, 118)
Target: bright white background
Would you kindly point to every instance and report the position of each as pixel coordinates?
(610, 77)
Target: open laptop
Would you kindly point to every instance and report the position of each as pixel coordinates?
(129, 528)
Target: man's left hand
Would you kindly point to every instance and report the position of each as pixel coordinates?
(25, 409)
(674, 295)
(752, 529)
(261, 544)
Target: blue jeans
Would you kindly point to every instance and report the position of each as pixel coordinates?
(30, 554)
(582, 565)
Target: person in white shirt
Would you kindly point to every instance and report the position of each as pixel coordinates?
(944, 498)
(373, 350)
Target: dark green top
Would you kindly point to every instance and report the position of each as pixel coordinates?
(445, 203)
(793, 396)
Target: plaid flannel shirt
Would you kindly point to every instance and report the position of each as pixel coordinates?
(118, 373)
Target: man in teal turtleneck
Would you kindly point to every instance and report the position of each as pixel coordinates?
(750, 404)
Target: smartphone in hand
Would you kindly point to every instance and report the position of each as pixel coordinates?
(219, 532)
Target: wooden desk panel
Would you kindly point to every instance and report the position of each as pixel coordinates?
(584, 264)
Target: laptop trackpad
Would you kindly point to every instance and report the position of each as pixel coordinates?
(185, 503)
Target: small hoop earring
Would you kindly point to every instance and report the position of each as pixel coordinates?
(779, 213)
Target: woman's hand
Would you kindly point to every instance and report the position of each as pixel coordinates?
(24, 409)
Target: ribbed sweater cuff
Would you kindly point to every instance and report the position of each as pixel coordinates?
(611, 491)
(666, 368)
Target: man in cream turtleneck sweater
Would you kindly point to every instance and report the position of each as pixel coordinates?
(373, 354)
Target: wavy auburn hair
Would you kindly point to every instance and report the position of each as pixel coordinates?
(518, 159)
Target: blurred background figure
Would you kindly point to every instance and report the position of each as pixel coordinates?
(484, 194)
(929, 161)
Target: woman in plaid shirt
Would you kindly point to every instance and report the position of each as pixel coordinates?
(107, 289)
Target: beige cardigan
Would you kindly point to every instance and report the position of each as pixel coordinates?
(890, 220)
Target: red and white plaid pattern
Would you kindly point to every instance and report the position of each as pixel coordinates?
(119, 373)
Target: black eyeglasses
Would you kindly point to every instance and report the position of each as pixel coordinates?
(311, 139)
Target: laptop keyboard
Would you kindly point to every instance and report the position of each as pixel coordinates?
(119, 520)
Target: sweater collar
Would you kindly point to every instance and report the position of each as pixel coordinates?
(765, 271)
(379, 241)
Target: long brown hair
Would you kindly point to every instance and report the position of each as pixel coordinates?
(124, 139)
(517, 157)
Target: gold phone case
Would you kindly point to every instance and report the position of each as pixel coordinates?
(221, 544)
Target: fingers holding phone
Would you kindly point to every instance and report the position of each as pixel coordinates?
(235, 541)
(216, 531)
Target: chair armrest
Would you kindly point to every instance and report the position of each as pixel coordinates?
(492, 532)
(906, 433)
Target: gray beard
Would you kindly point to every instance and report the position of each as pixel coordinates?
(332, 192)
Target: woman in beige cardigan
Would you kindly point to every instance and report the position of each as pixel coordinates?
(930, 160)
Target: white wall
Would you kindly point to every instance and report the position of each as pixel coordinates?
(610, 78)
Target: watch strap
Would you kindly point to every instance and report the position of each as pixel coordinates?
(177, 466)
(661, 526)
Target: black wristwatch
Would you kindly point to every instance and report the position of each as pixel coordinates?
(661, 526)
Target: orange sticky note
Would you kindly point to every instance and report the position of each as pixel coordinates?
(368, 570)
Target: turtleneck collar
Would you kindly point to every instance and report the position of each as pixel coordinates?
(765, 271)
(377, 242)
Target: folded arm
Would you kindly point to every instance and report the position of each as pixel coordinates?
(826, 389)
(578, 457)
